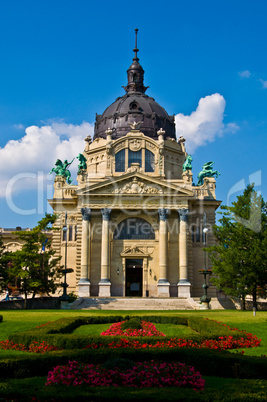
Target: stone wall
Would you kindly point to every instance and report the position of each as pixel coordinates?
(36, 303)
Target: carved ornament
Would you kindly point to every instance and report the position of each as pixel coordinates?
(135, 145)
(137, 187)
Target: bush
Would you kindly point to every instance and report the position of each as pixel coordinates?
(205, 330)
(207, 362)
(133, 323)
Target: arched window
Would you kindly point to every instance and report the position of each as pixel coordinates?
(149, 161)
(134, 229)
(134, 157)
(120, 161)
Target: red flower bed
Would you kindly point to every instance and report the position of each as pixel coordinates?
(148, 329)
(141, 375)
(34, 347)
(223, 343)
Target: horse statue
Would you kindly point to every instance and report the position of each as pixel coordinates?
(206, 172)
(188, 163)
(61, 169)
(82, 163)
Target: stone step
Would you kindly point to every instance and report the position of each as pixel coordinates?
(97, 303)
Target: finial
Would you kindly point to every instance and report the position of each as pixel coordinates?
(135, 49)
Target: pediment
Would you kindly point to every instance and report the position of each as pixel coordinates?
(135, 183)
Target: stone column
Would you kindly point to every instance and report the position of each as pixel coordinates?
(105, 284)
(163, 284)
(183, 284)
(84, 283)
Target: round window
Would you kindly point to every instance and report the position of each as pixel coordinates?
(134, 105)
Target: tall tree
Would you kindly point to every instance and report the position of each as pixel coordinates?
(240, 256)
(35, 264)
(5, 258)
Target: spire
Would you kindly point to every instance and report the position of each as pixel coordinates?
(135, 73)
(135, 49)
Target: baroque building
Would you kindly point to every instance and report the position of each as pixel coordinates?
(135, 219)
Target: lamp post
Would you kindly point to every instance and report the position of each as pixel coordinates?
(65, 298)
(205, 271)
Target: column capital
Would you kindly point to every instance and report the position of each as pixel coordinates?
(183, 213)
(86, 214)
(106, 214)
(163, 214)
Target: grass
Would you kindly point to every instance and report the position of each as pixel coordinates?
(167, 329)
(217, 389)
(18, 321)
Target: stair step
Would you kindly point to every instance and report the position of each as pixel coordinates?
(133, 304)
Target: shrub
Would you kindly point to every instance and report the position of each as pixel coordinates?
(208, 362)
(132, 323)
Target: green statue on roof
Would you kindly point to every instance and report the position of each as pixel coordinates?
(206, 172)
(61, 169)
(82, 163)
(188, 163)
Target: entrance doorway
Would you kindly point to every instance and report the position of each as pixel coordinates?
(134, 277)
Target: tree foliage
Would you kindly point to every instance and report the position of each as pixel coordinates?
(35, 264)
(240, 255)
(4, 266)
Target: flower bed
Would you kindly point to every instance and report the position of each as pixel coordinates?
(223, 343)
(141, 375)
(148, 329)
(34, 347)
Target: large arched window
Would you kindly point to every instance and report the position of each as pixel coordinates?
(134, 229)
(149, 161)
(134, 157)
(120, 161)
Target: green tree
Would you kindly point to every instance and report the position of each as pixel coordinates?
(240, 255)
(5, 258)
(35, 264)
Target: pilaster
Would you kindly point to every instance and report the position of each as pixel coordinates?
(183, 284)
(84, 282)
(163, 284)
(105, 284)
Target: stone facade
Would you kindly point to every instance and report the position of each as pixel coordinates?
(135, 219)
(134, 228)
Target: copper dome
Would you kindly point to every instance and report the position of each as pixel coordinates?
(135, 106)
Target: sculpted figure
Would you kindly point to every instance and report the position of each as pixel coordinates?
(188, 163)
(206, 172)
(61, 169)
(82, 163)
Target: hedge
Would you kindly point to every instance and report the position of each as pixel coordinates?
(58, 333)
(208, 362)
(206, 329)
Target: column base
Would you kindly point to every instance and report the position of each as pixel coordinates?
(204, 306)
(84, 288)
(163, 289)
(104, 289)
(184, 289)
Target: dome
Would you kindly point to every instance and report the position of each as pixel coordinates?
(135, 106)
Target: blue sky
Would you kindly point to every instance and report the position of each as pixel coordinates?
(63, 61)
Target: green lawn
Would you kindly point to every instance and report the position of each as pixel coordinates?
(217, 389)
(18, 321)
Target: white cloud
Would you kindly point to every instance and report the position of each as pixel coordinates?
(203, 125)
(264, 84)
(37, 151)
(244, 74)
